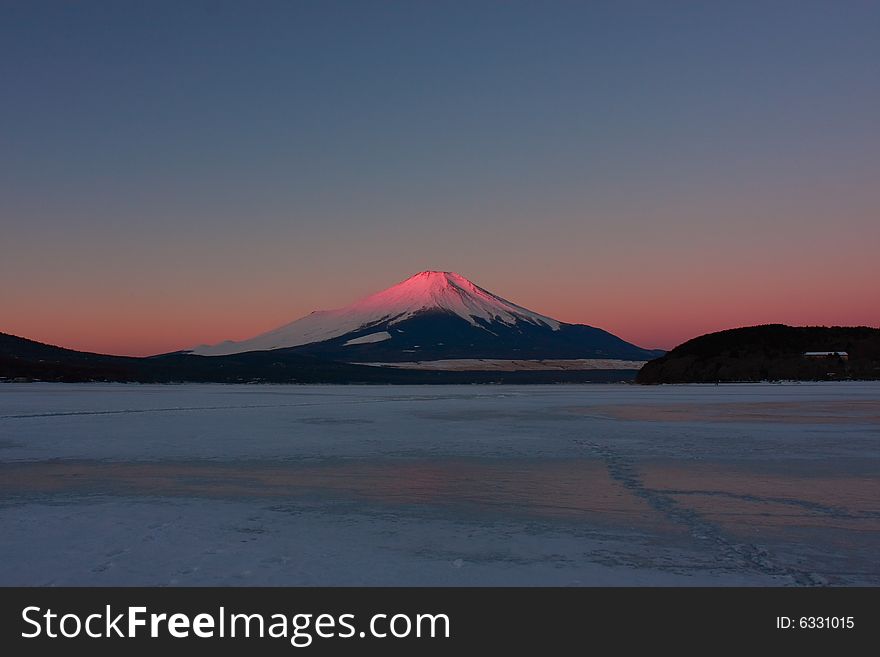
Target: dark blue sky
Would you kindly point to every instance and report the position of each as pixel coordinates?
(195, 164)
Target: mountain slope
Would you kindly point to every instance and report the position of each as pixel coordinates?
(438, 335)
(435, 315)
(771, 352)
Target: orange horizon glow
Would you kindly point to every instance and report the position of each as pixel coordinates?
(131, 327)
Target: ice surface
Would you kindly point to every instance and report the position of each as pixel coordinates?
(511, 365)
(383, 485)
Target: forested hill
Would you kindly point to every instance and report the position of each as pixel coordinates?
(771, 352)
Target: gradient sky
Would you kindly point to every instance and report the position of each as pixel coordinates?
(176, 173)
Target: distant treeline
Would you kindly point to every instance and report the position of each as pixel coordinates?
(772, 352)
(26, 360)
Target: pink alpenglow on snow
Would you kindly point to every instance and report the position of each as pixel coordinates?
(428, 290)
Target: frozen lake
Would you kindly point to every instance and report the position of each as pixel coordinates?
(452, 485)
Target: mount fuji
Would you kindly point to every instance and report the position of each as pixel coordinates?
(432, 316)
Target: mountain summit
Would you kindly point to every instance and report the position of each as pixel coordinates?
(447, 291)
(434, 315)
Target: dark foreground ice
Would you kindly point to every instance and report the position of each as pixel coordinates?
(466, 485)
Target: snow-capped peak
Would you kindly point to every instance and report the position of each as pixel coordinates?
(444, 290)
(426, 291)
